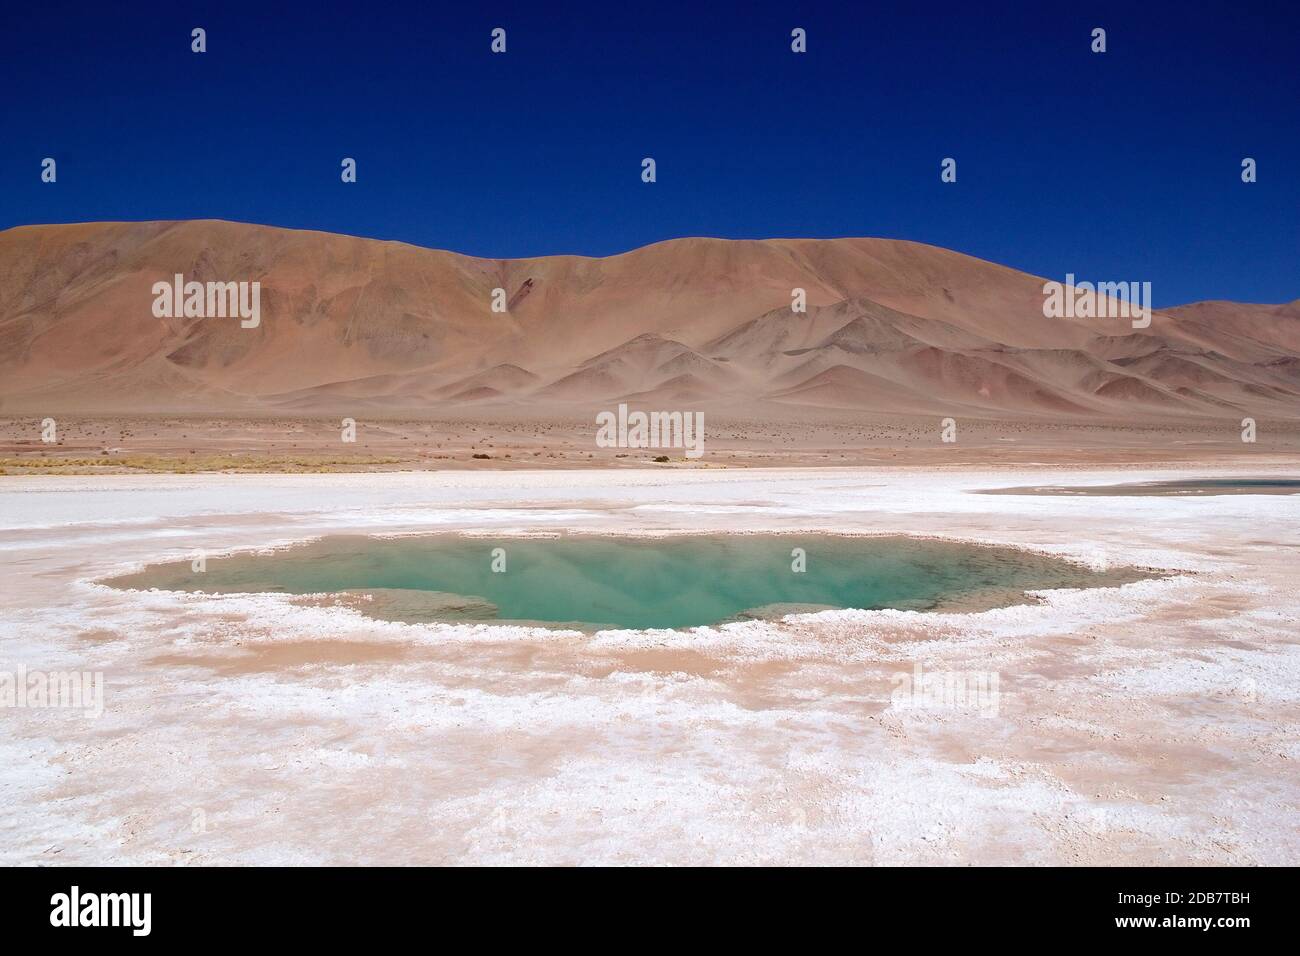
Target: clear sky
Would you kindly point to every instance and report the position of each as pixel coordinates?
(1117, 166)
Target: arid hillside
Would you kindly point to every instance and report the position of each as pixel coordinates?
(364, 326)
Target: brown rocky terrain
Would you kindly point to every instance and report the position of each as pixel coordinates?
(365, 327)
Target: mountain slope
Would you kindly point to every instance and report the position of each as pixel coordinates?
(349, 323)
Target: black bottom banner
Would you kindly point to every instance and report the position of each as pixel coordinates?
(336, 905)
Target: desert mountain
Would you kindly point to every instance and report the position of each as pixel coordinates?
(351, 325)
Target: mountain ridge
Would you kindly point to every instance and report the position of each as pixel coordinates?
(346, 321)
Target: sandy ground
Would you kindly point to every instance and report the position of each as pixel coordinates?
(520, 441)
(1154, 723)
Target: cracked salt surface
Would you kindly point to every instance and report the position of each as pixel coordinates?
(1155, 722)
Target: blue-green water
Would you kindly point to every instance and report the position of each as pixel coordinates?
(1184, 487)
(595, 581)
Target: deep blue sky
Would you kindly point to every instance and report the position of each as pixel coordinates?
(1117, 166)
